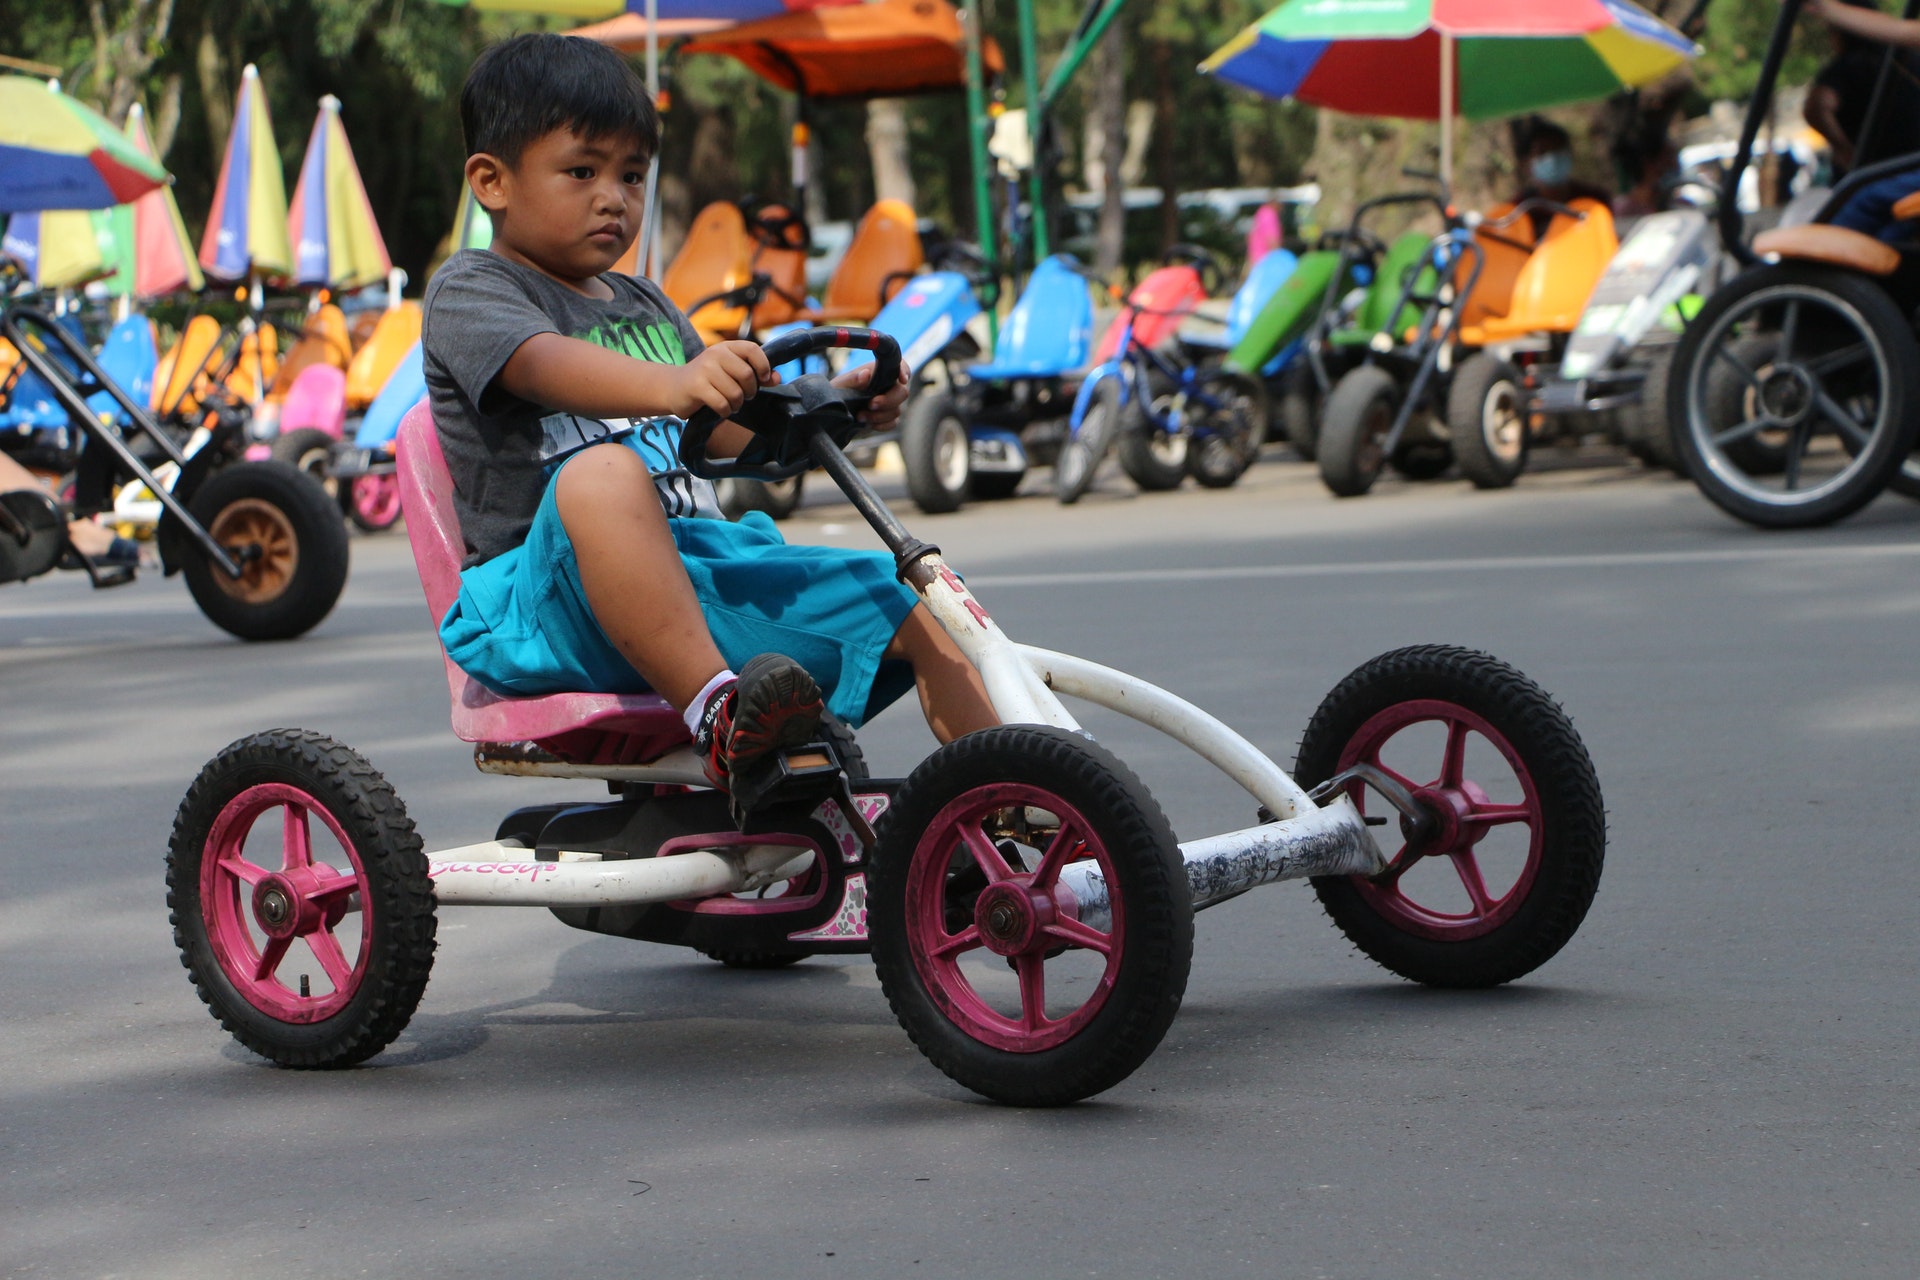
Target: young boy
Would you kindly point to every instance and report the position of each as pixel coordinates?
(595, 560)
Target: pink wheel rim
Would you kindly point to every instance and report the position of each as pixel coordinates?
(1020, 915)
(376, 497)
(301, 900)
(1465, 816)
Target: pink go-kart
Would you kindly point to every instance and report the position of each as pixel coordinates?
(1028, 908)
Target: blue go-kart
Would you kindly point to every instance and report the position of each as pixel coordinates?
(973, 430)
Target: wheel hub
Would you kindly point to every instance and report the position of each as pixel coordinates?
(1011, 917)
(1447, 810)
(1787, 394)
(292, 903)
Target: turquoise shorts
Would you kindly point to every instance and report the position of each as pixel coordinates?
(521, 625)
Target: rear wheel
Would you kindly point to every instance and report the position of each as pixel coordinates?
(778, 498)
(990, 934)
(1816, 432)
(307, 449)
(372, 501)
(1154, 458)
(300, 900)
(1503, 869)
(1644, 426)
(937, 451)
(291, 544)
(1487, 421)
(1299, 409)
(1227, 434)
(992, 486)
(1353, 430)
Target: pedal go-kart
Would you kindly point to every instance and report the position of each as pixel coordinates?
(261, 545)
(1029, 912)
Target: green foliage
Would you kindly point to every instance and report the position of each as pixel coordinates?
(1736, 39)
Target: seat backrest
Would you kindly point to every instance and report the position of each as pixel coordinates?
(1552, 289)
(189, 359)
(716, 256)
(1051, 325)
(426, 496)
(1503, 251)
(397, 333)
(885, 248)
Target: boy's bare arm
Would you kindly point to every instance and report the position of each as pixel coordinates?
(1868, 24)
(576, 376)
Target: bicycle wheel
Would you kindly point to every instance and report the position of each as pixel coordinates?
(1081, 456)
(1229, 418)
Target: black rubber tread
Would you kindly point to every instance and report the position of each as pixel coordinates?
(1297, 410)
(1891, 445)
(1569, 790)
(401, 916)
(1648, 435)
(780, 500)
(1906, 481)
(1150, 471)
(992, 486)
(1473, 382)
(1347, 466)
(1222, 456)
(919, 441)
(1095, 437)
(1153, 882)
(307, 449)
(754, 960)
(318, 528)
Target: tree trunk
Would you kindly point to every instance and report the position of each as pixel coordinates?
(216, 94)
(887, 142)
(1110, 113)
(1166, 172)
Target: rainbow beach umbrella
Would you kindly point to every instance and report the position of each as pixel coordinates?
(155, 255)
(56, 153)
(1433, 59)
(61, 248)
(472, 229)
(247, 225)
(336, 243)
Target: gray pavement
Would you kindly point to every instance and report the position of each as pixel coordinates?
(1715, 1078)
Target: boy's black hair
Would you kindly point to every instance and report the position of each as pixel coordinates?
(522, 89)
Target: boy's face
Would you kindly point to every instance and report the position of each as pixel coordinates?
(570, 206)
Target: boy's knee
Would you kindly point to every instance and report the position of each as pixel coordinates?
(605, 479)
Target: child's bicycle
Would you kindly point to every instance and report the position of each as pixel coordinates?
(1167, 410)
(1029, 911)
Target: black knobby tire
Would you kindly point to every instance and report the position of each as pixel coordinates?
(1874, 323)
(1110, 1035)
(1644, 426)
(1487, 421)
(1569, 845)
(1353, 430)
(1153, 459)
(1082, 454)
(854, 761)
(302, 568)
(1230, 437)
(1298, 409)
(307, 449)
(778, 499)
(937, 452)
(396, 905)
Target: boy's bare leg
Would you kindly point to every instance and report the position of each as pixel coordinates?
(88, 538)
(952, 694)
(636, 586)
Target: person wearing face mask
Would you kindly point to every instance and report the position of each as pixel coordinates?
(1546, 166)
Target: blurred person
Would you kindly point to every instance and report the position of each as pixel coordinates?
(100, 545)
(1547, 167)
(1837, 108)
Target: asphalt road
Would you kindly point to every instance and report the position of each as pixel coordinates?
(1715, 1078)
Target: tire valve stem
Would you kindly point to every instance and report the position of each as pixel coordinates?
(305, 989)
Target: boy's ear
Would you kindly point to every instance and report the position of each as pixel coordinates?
(487, 177)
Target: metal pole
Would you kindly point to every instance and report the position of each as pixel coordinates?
(1732, 228)
(1446, 111)
(1036, 125)
(1093, 24)
(977, 143)
(650, 218)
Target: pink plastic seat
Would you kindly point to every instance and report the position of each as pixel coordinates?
(317, 398)
(597, 728)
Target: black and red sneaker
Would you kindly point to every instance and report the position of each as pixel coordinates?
(773, 704)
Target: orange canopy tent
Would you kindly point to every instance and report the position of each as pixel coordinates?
(882, 49)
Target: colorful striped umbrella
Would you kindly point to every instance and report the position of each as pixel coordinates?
(247, 226)
(56, 153)
(336, 242)
(472, 229)
(60, 248)
(158, 250)
(1431, 59)
(666, 10)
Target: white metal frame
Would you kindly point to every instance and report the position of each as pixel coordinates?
(1024, 683)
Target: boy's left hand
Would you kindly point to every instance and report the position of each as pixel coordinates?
(884, 410)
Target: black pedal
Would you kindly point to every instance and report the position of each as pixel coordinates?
(797, 778)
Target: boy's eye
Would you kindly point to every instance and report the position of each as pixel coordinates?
(633, 179)
(580, 171)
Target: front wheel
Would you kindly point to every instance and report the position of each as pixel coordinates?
(1031, 921)
(1501, 868)
(291, 544)
(372, 501)
(1353, 430)
(300, 900)
(1084, 451)
(307, 449)
(937, 451)
(1487, 421)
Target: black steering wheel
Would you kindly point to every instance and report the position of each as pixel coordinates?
(787, 420)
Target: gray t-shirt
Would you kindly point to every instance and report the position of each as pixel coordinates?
(501, 450)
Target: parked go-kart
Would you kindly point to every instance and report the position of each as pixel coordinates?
(1029, 912)
(261, 545)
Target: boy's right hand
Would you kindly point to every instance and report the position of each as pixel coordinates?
(721, 378)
